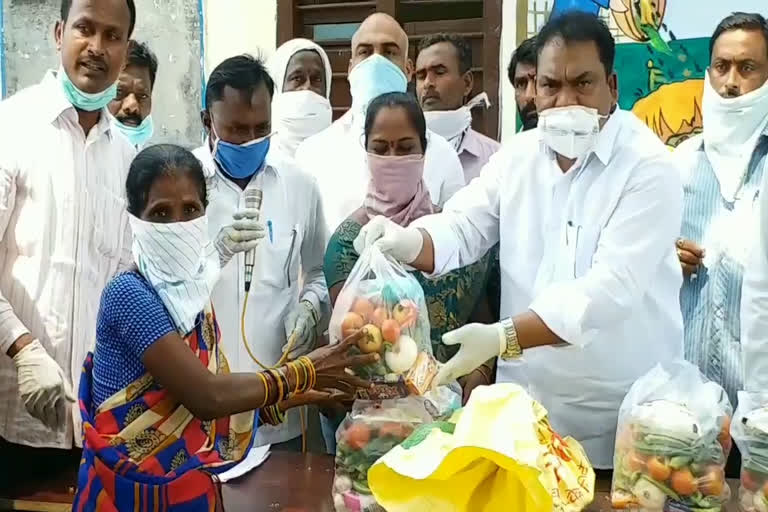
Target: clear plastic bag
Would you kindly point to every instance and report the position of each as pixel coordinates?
(750, 431)
(672, 443)
(371, 430)
(388, 303)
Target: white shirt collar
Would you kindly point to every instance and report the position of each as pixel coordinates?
(55, 104)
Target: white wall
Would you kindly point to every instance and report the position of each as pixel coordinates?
(233, 27)
(507, 108)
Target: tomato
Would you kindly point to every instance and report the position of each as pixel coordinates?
(658, 469)
(390, 329)
(357, 436)
(363, 307)
(352, 323)
(683, 482)
(724, 437)
(393, 429)
(711, 484)
(379, 316)
(635, 461)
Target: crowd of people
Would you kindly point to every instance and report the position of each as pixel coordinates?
(147, 348)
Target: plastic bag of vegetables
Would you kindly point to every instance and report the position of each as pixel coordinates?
(672, 442)
(750, 431)
(370, 431)
(387, 303)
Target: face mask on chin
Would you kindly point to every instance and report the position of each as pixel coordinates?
(88, 102)
(453, 124)
(570, 131)
(137, 135)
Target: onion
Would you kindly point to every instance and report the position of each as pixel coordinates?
(403, 355)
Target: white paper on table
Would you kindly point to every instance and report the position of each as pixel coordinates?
(253, 460)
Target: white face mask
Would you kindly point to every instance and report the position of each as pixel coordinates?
(180, 262)
(453, 124)
(570, 131)
(297, 115)
(731, 129)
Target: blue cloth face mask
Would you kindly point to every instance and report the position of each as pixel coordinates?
(373, 77)
(138, 135)
(89, 102)
(239, 161)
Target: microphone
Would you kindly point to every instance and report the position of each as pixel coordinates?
(253, 202)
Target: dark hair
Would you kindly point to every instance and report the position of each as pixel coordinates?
(740, 21)
(243, 72)
(576, 26)
(525, 54)
(66, 5)
(463, 49)
(402, 100)
(156, 161)
(140, 55)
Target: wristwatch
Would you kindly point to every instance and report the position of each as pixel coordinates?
(513, 349)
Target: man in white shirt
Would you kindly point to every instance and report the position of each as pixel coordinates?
(132, 107)
(336, 156)
(63, 228)
(288, 298)
(444, 82)
(584, 207)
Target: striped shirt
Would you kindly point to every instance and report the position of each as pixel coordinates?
(63, 233)
(711, 300)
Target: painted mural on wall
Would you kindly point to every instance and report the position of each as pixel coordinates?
(662, 54)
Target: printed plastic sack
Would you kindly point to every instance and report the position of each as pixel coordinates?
(672, 442)
(499, 453)
(385, 301)
(750, 431)
(371, 430)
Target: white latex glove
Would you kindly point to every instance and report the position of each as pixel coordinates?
(479, 343)
(302, 321)
(43, 387)
(244, 234)
(403, 244)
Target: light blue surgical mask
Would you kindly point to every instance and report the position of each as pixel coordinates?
(240, 161)
(138, 135)
(373, 77)
(89, 102)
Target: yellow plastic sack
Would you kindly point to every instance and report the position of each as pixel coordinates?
(502, 456)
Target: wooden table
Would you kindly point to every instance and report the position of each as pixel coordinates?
(286, 482)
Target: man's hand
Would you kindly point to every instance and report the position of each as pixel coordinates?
(478, 377)
(244, 234)
(301, 323)
(690, 255)
(403, 244)
(479, 343)
(43, 387)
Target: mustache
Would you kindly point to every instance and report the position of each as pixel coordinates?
(95, 63)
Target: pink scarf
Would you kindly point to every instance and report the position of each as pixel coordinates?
(396, 189)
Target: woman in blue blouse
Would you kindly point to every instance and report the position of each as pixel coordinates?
(161, 412)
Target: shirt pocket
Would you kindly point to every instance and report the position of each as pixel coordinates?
(581, 243)
(110, 220)
(280, 259)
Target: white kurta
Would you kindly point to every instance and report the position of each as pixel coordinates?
(591, 251)
(64, 230)
(289, 268)
(336, 158)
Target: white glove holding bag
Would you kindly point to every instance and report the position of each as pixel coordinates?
(301, 321)
(479, 343)
(43, 387)
(244, 234)
(403, 244)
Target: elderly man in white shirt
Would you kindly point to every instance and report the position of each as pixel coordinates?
(336, 156)
(444, 82)
(288, 297)
(63, 228)
(584, 207)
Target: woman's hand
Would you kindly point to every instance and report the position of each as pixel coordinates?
(332, 400)
(331, 364)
